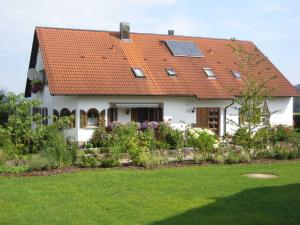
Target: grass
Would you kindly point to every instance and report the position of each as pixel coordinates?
(209, 195)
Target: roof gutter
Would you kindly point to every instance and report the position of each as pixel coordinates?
(225, 115)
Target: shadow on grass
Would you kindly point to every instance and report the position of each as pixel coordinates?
(278, 205)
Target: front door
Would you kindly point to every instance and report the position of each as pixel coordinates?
(208, 118)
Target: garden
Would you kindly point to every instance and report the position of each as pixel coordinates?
(28, 144)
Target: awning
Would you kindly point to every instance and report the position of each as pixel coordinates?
(137, 105)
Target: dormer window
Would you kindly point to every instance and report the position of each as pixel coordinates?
(236, 74)
(171, 72)
(138, 72)
(209, 72)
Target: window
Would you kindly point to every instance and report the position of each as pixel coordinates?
(36, 110)
(146, 114)
(55, 115)
(138, 72)
(209, 72)
(236, 74)
(92, 118)
(45, 115)
(65, 112)
(83, 122)
(112, 114)
(171, 72)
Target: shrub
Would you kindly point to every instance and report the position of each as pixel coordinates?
(199, 158)
(241, 137)
(294, 139)
(7, 148)
(14, 169)
(281, 133)
(37, 162)
(281, 152)
(262, 138)
(202, 140)
(58, 151)
(173, 137)
(88, 161)
(101, 138)
(265, 154)
(146, 139)
(109, 163)
(149, 160)
(233, 157)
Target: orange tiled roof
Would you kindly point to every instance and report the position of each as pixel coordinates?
(85, 62)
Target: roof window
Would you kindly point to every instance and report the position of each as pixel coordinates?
(138, 72)
(171, 72)
(209, 72)
(236, 74)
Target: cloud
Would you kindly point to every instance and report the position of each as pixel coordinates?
(273, 8)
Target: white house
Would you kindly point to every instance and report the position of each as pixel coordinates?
(121, 76)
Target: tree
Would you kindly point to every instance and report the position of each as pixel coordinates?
(20, 119)
(251, 99)
(3, 114)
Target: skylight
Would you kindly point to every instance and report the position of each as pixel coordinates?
(183, 48)
(171, 72)
(209, 72)
(236, 74)
(138, 72)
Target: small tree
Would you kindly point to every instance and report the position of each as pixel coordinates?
(252, 97)
(3, 114)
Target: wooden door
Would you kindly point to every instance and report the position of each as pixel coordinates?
(208, 118)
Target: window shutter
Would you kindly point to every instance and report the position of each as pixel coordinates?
(83, 119)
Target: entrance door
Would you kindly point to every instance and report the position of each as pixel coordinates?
(208, 118)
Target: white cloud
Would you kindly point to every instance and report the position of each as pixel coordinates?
(272, 8)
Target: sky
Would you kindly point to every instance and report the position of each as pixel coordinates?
(273, 25)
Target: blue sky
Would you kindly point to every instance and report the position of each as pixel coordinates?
(273, 25)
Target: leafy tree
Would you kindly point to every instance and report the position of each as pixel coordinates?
(3, 114)
(20, 119)
(252, 97)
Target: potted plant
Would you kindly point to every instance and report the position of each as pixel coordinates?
(36, 86)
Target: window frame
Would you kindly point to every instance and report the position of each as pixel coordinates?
(206, 69)
(135, 69)
(235, 72)
(170, 74)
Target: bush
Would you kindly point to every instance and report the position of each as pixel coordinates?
(262, 138)
(109, 163)
(14, 169)
(101, 138)
(37, 162)
(280, 133)
(241, 138)
(281, 152)
(88, 161)
(7, 148)
(58, 151)
(202, 140)
(173, 137)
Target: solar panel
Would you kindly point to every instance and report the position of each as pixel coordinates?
(184, 48)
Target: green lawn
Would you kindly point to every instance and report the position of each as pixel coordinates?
(209, 195)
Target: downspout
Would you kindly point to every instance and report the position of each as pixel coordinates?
(225, 115)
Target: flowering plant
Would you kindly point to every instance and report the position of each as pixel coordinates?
(36, 86)
(203, 140)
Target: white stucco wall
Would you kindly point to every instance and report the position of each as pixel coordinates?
(281, 109)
